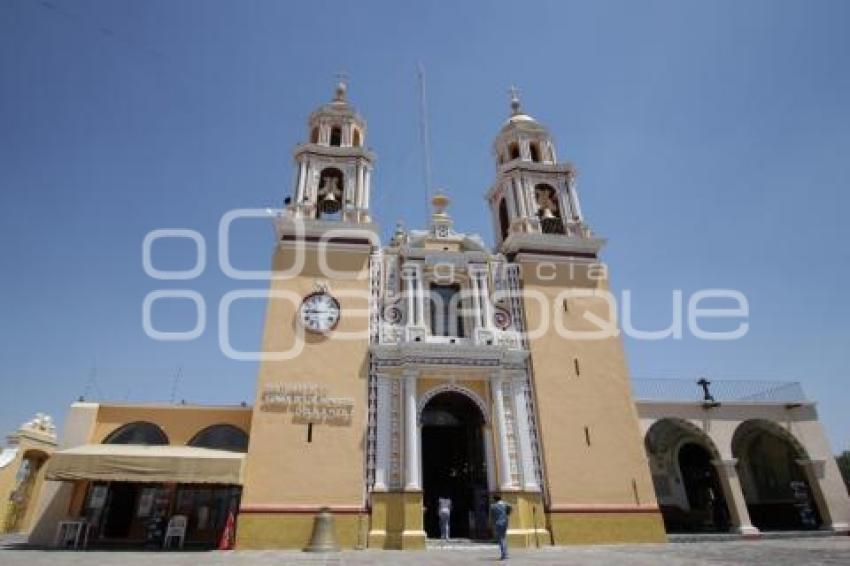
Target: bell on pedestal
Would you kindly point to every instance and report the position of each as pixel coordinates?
(323, 538)
(330, 205)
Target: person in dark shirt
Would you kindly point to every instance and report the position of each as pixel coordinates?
(500, 512)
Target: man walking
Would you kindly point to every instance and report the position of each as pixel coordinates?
(444, 511)
(500, 512)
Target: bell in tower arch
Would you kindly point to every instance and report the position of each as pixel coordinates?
(330, 190)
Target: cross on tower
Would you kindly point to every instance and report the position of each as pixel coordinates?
(515, 105)
(341, 85)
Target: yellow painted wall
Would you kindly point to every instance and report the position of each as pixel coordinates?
(284, 470)
(602, 528)
(613, 468)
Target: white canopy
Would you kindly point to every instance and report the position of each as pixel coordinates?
(136, 463)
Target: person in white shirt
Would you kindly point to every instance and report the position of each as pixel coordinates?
(444, 512)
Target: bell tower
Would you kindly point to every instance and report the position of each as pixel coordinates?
(307, 452)
(533, 194)
(597, 485)
(333, 168)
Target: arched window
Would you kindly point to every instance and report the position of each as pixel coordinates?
(140, 432)
(447, 311)
(504, 219)
(221, 437)
(513, 151)
(331, 183)
(356, 138)
(336, 136)
(534, 149)
(314, 135)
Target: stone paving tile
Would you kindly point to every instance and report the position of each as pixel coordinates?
(787, 552)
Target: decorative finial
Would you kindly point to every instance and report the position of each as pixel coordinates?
(515, 104)
(341, 86)
(440, 201)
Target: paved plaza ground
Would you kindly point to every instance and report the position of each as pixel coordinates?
(824, 550)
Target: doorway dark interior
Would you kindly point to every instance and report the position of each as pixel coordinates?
(453, 465)
(708, 511)
(119, 514)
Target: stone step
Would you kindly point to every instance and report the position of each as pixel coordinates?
(721, 537)
(457, 544)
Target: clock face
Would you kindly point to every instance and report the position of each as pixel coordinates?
(319, 312)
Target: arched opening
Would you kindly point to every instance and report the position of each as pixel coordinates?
(140, 432)
(336, 136)
(534, 150)
(454, 466)
(314, 135)
(687, 484)
(777, 491)
(504, 219)
(221, 437)
(549, 210)
(355, 138)
(513, 151)
(331, 183)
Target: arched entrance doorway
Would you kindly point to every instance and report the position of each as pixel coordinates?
(687, 484)
(775, 486)
(454, 465)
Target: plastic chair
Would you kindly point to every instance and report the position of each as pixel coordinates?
(176, 528)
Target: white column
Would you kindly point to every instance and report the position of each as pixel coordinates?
(411, 433)
(409, 276)
(739, 515)
(420, 296)
(509, 195)
(484, 293)
(367, 187)
(476, 297)
(302, 180)
(487, 432)
(526, 457)
(358, 189)
(501, 431)
(382, 439)
(574, 196)
(519, 195)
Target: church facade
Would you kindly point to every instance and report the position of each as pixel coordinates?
(430, 367)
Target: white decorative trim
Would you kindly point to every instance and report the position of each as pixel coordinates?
(454, 388)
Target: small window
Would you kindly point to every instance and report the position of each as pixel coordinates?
(534, 149)
(576, 366)
(566, 305)
(356, 138)
(336, 136)
(513, 151)
(587, 435)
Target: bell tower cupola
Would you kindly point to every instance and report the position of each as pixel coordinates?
(333, 167)
(534, 203)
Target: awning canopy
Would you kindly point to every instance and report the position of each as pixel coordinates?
(135, 463)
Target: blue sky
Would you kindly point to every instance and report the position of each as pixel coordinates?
(711, 140)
